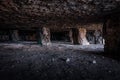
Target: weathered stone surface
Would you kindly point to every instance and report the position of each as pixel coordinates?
(43, 36)
(33, 13)
(14, 35)
(82, 37)
(93, 32)
(46, 36)
(112, 36)
(70, 35)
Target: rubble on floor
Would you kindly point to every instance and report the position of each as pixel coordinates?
(56, 62)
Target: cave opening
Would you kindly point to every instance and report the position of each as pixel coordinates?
(27, 35)
(4, 36)
(95, 37)
(62, 36)
(92, 36)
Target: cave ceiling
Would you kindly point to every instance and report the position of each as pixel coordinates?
(36, 13)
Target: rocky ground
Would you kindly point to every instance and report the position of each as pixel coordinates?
(56, 62)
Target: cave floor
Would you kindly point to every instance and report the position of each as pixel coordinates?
(56, 62)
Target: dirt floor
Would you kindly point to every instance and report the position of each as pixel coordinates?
(56, 62)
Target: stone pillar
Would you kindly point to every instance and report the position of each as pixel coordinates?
(75, 36)
(46, 36)
(98, 37)
(14, 36)
(112, 37)
(39, 36)
(82, 37)
(43, 36)
(70, 36)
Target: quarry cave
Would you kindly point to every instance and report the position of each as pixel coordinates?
(59, 39)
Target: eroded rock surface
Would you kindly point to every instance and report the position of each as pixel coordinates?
(58, 62)
(37, 12)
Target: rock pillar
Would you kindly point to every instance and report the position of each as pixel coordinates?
(70, 36)
(14, 36)
(46, 36)
(39, 36)
(75, 36)
(82, 37)
(43, 36)
(98, 37)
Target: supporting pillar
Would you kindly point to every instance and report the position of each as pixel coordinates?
(112, 37)
(46, 36)
(75, 36)
(98, 37)
(13, 36)
(43, 36)
(39, 36)
(82, 37)
(70, 36)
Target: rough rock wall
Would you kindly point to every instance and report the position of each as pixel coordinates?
(59, 7)
(112, 36)
(93, 26)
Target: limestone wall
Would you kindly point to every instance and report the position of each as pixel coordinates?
(112, 36)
